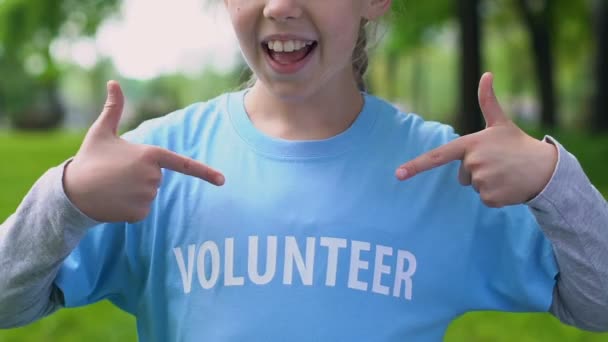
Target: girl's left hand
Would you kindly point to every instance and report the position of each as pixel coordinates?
(502, 163)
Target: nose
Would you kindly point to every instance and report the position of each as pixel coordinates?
(282, 10)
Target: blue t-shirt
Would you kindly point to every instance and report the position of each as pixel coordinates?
(309, 240)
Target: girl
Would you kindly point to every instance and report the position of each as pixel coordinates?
(311, 237)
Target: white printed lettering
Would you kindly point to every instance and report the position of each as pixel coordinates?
(229, 278)
(380, 268)
(356, 264)
(404, 275)
(271, 260)
(214, 254)
(333, 245)
(293, 254)
(186, 272)
(390, 273)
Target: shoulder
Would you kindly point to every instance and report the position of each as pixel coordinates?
(410, 129)
(183, 124)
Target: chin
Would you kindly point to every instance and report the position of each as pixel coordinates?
(290, 91)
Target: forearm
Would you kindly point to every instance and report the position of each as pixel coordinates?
(33, 242)
(574, 216)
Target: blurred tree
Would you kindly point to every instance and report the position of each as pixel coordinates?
(470, 119)
(410, 23)
(538, 18)
(570, 40)
(600, 103)
(410, 26)
(28, 92)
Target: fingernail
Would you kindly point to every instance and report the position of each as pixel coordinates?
(220, 180)
(402, 173)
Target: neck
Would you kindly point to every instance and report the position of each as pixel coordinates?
(327, 112)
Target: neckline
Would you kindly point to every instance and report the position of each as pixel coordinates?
(264, 144)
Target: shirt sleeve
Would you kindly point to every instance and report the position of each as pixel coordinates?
(574, 216)
(104, 265)
(33, 242)
(510, 264)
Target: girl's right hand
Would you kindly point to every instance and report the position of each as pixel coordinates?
(113, 180)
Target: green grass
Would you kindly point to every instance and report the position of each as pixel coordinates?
(26, 156)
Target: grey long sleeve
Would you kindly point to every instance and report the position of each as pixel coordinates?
(33, 243)
(574, 216)
(47, 227)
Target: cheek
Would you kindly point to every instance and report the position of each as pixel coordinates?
(242, 13)
(345, 27)
(343, 37)
(243, 23)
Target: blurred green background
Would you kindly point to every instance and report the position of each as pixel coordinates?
(549, 58)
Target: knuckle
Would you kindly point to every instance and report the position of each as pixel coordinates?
(475, 140)
(156, 177)
(208, 175)
(186, 164)
(156, 182)
(152, 194)
(147, 153)
(139, 214)
(472, 162)
(478, 181)
(110, 106)
(132, 217)
(146, 196)
(435, 158)
(490, 200)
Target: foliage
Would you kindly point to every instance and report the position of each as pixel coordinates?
(28, 26)
(27, 29)
(412, 22)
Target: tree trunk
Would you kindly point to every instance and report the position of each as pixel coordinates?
(470, 119)
(538, 20)
(45, 111)
(600, 102)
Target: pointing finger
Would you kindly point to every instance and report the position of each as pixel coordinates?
(454, 150)
(492, 112)
(187, 166)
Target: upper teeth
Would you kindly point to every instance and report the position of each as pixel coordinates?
(288, 45)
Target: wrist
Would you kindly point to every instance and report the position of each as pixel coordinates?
(548, 157)
(63, 179)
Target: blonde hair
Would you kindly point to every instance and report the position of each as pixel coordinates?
(360, 57)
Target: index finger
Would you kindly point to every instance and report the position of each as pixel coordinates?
(440, 156)
(188, 166)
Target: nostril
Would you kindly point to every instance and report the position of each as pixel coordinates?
(282, 10)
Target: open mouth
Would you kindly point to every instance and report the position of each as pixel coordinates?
(288, 52)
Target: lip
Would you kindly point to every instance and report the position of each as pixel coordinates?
(283, 37)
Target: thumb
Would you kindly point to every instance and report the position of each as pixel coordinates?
(108, 121)
(492, 112)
